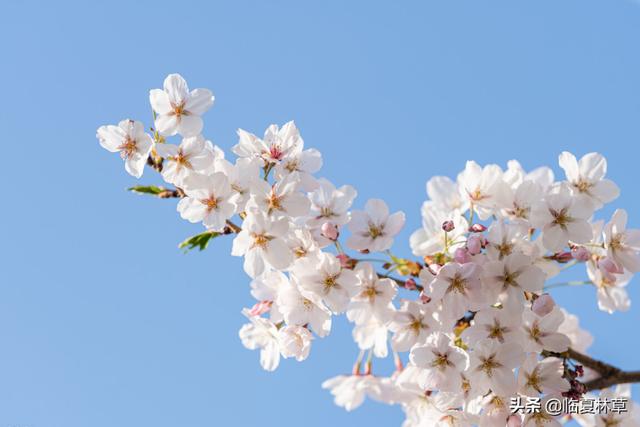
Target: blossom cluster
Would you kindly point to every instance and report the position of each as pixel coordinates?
(470, 315)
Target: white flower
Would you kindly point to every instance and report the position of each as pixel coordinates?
(442, 360)
(373, 296)
(177, 109)
(192, 155)
(266, 288)
(587, 178)
(329, 204)
(349, 391)
(373, 229)
(295, 341)
(518, 202)
(208, 199)
(562, 218)
(302, 164)
(502, 325)
(611, 293)
(458, 288)
(445, 194)
(373, 335)
(542, 418)
(283, 198)
(503, 239)
(241, 176)
(535, 377)
(261, 242)
(261, 334)
(623, 245)
(278, 143)
(300, 307)
(580, 338)
(541, 333)
(492, 366)
(482, 187)
(515, 175)
(131, 141)
(512, 276)
(431, 238)
(328, 280)
(302, 244)
(411, 325)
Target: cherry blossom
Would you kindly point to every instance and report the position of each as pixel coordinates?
(208, 199)
(470, 314)
(587, 178)
(373, 229)
(178, 109)
(130, 140)
(192, 155)
(622, 245)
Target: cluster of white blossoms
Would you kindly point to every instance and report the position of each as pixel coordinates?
(469, 316)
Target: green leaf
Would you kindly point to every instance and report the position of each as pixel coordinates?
(200, 241)
(147, 189)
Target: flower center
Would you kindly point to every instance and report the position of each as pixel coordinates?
(375, 231)
(127, 148)
(457, 284)
(441, 361)
(261, 240)
(211, 203)
(489, 364)
(560, 218)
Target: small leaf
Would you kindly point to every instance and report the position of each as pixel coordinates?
(147, 189)
(200, 241)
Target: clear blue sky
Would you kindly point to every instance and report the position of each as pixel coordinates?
(104, 322)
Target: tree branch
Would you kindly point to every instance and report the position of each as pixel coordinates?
(609, 374)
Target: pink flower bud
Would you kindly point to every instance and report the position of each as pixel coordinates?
(424, 298)
(329, 231)
(448, 226)
(346, 261)
(462, 256)
(477, 228)
(543, 305)
(580, 253)
(563, 257)
(260, 308)
(608, 265)
(410, 284)
(474, 244)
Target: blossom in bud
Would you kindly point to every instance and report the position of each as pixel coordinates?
(424, 298)
(563, 257)
(410, 284)
(474, 244)
(580, 253)
(448, 226)
(330, 231)
(543, 305)
(477, 228)
(462, 256)
(346, 261)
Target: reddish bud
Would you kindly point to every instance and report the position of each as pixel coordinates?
(410, 284)
(477, 228)
(330, 231)
(448, 226)
(580, 253)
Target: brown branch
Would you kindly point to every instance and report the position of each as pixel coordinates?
(609, 374)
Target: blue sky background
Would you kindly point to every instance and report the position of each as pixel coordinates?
(104, 322)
